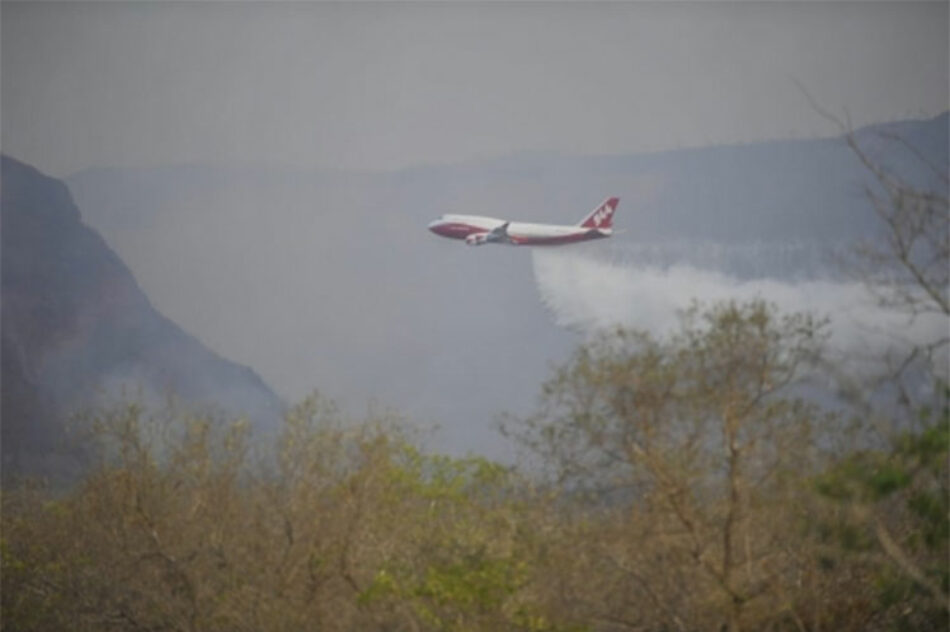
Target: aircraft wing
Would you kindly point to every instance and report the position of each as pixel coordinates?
(497, 234)
(500, 233)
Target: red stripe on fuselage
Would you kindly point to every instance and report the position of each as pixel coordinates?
(455, 230)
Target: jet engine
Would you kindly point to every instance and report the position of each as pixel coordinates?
(476, 239)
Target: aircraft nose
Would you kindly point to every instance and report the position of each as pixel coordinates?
(435, 225)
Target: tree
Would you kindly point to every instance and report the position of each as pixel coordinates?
(699, 436)
(347, 526)
(893, 503)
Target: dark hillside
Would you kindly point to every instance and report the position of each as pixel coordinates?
(77, 329)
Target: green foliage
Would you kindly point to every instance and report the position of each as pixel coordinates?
(448, 595)
(863, 476)
(895, 513)
(350, 526)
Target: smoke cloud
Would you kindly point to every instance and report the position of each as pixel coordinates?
(587, 294)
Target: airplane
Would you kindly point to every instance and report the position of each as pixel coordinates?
(477, 230)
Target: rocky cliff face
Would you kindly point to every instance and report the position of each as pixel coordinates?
(77, 330)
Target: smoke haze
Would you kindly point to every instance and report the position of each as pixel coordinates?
(588, 293)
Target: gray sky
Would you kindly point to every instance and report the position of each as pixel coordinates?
(384, 86)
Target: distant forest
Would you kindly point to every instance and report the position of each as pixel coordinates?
(677, 483)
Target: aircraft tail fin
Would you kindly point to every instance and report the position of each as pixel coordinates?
(602, 216)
